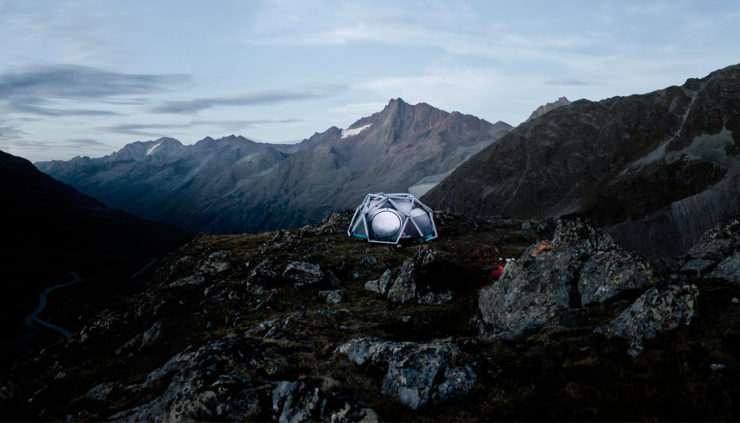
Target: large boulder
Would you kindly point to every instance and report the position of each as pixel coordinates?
(199, 383)
(418, 374)
(716, 255)
(416, 280)
(582, 266)
(659, 309)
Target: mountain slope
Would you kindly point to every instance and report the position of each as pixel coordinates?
(51, 227)
(235, 185)
(657, 169)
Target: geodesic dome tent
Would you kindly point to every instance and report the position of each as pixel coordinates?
(389, 218)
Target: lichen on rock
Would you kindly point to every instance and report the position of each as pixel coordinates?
(419, 374)
(659, 309)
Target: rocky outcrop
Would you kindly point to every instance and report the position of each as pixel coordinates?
(659, 309)
(414, 280)
(560, 102)
(215, 263)
(302, 273)
(716, 255)
(204, 382)
(418, 375)
(309, 401)
(583, 266)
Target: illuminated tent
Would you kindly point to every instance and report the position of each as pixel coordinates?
(389, 218)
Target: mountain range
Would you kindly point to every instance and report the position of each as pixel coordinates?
(657, 169)
(234, 185)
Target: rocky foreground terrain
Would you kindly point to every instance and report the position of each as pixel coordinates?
(311, 325)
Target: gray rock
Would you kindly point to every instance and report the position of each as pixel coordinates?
(369, 261)
(309, 400)
(584, 265)
(404, 286)
(151, 336)
(303, 273)
(372, 286)
(607, 273)
(102, 391)
(717, 367)
(435, 298)
(215, 263)
(334, 296)
(717, 245)
(192, 280)
(385, 281)
(264, 272)
(418, 374)
(657, 310)
(728, 269)
(130, 345)
(200, 383)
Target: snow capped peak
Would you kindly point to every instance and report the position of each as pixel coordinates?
(354, 131)
(152, 148)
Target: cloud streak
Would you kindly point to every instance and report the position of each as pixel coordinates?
(246, 99)
(80, 82)
(157, 129)
(29, 89)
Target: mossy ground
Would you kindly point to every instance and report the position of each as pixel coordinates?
(561, 372)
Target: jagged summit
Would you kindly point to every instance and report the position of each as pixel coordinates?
(560, 102)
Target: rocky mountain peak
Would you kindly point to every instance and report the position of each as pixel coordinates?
(560, 102)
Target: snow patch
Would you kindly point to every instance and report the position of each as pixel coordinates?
(152, 148)
(352, 132)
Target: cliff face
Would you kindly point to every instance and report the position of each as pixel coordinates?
(656, 169)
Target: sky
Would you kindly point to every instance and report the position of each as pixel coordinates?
(86, 77)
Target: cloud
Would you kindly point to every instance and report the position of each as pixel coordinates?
(7, 132)
(567, 81)
(28, 89)
(80, 82)
(86, 142)
(30, 106)
(246, 99)
(156, 129)
(32, 145)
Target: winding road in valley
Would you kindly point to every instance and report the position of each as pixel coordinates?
(76, 279)
(42, 305)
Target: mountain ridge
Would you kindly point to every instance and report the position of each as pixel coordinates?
(657, 169)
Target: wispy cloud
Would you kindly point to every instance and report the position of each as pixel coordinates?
(81, 82)
(158, 129)
(246, 99)
(567, 81)
(8, 132)
(29, 90)
(86, 142)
